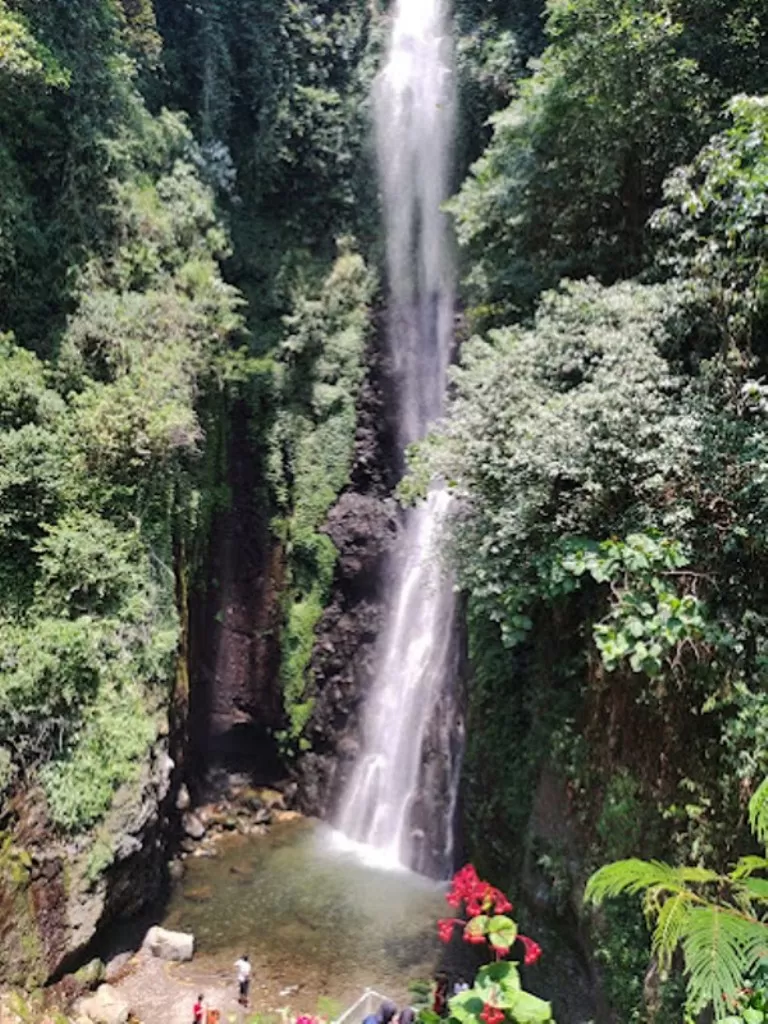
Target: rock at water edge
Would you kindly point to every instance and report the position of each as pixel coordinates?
(169, 945)
(107, 1006)
(193, 826)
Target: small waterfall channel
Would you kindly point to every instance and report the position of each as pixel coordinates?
(399, 803)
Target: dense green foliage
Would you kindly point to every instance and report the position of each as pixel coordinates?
(320, 368)
(101, 441)
(606, 432)
(115, 224)
(605, 440)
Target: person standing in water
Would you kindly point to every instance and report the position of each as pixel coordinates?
(243, 968)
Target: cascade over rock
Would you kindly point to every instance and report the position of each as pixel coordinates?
(386, 804)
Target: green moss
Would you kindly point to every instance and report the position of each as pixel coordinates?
(320, 371)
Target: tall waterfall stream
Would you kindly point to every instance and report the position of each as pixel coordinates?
(385, 807)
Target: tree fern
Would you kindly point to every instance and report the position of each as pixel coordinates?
(747, 866)
(717, 920)
(720, 947)
(631, 876)
(671, 925)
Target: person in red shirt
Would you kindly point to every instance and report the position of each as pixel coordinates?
(197, 1010)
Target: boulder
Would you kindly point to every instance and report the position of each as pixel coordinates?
(116, 967)
(263, 816)
(106, 1006)
(183, 799)
(176, 870)
(169, 945)
(91, 974)
(193, 826)
(272, 799)
(283, 816)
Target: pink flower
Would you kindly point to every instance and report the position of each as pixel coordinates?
(445, 928)
(532, 950)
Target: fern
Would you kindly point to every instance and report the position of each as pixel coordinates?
(756, 889)
(758, 813)
(720, 947)
(712, 917)
(747, 866)
(631, 876)
(671, 925)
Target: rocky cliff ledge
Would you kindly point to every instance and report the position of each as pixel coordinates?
(55, 895)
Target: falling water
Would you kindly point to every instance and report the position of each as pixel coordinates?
(400, 800)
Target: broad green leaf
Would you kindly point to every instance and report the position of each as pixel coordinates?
(529, 1009)
(477, 926)
(466, 1006)
(504, 972)
(502, 931)
(752, 1016)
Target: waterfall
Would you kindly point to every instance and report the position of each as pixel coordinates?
(400, 799)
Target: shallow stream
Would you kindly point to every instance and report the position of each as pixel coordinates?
(309, 915)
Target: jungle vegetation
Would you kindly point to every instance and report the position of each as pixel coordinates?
(188, 220)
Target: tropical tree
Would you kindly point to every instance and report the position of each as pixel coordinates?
(719, 921)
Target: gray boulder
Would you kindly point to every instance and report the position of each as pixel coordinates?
(169, 945)
(105, 1006)
(193, 826)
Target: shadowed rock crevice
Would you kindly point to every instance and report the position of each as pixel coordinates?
(235, 700)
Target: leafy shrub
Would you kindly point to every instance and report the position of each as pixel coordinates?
(114, 735)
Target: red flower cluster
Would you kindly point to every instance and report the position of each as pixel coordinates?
(479, 896)
(445, 928)
(491, 1015)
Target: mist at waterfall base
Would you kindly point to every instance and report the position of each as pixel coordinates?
(397, 809)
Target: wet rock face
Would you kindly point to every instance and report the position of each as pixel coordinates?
(234, 629)
(343, 663)
(364, 525)
(363, 529)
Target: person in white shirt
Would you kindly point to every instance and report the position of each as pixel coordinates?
(243, 968)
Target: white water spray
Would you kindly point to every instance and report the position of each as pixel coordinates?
(387, 805)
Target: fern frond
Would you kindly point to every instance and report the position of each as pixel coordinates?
(631, 876)
(757, 888)
(670, 928)
(746, 866)
(720, 947)
(697, 875)
(758, 813)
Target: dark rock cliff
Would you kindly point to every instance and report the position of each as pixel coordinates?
(364, 526)
(235, 699)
